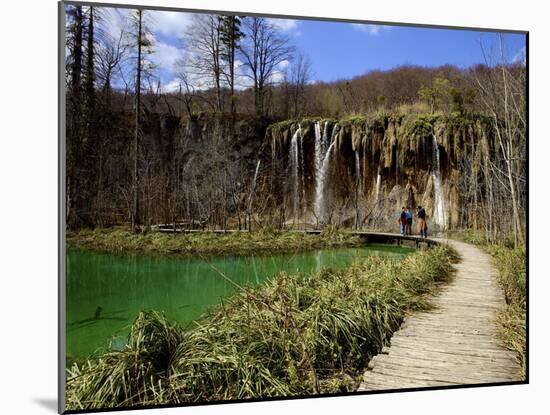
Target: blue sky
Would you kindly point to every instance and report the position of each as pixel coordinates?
(337, 50)
(343, 50)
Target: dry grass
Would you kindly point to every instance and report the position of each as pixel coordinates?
(511, 319)
(208, 243)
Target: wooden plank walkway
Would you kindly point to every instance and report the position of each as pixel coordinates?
(454, 344)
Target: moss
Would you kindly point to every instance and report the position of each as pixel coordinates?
(396, 118)
(461, 121)
(354, 120)
(207, 243)
(281, 126)
(419, 127)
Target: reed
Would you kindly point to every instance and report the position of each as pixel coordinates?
(511, 319)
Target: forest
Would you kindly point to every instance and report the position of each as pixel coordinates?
(214, 151)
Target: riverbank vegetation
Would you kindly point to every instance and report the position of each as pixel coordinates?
(264, 241)
(295, 335)
(511, 319)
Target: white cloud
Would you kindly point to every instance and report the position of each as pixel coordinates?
(520, 56)
(169, 23)
(171, 87)
(277, 77)
(371, 29)
(165, 56)
(284, 64)
(114, 21)
(286, 25)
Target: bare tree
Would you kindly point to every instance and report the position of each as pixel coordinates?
(143, 44)
(503, 94)
(186, 92)
(203, 41)
(298, 77)
(111, 55)
(188, 85)
(264, 50)
(74, 63)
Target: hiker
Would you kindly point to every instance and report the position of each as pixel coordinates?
(409, 221)
(422, 226)
(403, 221)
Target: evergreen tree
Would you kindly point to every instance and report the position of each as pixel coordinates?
(230, 37)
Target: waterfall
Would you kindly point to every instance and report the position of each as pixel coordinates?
(325, 139)
(439, 201)
(302, 169)
(253, 187)
(364, 143)
(318, 148)
(322, 175)
(377, 191)
(294, 166)
(358, 173)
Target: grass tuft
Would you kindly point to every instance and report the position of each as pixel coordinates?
(511, 319)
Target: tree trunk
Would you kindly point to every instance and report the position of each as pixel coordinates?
(135, 175)
(74, 124)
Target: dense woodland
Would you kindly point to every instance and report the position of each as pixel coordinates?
(139, 154)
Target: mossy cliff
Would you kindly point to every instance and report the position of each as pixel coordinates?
(399, 148)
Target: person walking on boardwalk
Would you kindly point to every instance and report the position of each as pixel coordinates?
(403, 221)
(422, 226)
(409, 221)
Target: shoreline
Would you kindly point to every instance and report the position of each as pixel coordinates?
(208, 244)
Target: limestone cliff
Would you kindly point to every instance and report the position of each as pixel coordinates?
(415, 159)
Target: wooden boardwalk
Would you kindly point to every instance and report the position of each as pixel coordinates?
(454, 344)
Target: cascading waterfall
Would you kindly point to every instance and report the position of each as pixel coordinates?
(253, 187)
(358, 188)
(364, 145)
(325, 139)
(358, 179)
(377, 191)
(302, 171)
(322, 176)
(439, 201)
(318, 149)
(294, 166)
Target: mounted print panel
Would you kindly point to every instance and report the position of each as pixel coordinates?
(273, 207)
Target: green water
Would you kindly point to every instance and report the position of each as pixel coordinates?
(182, 288)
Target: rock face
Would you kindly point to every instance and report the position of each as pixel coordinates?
(377, 164)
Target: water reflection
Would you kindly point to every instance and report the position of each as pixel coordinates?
(105, 292)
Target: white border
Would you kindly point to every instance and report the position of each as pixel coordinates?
(28, 204)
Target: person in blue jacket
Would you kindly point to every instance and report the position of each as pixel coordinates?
(403, 221)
